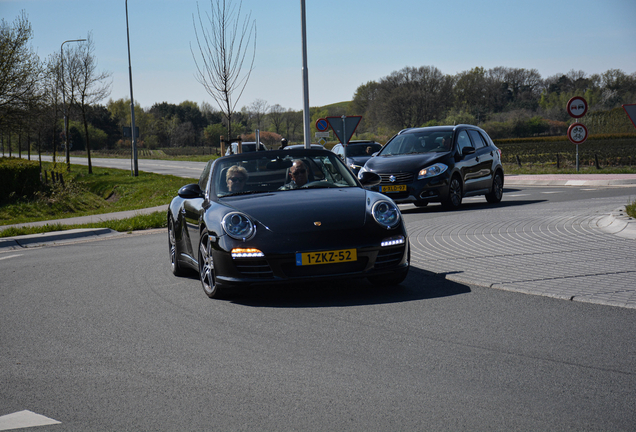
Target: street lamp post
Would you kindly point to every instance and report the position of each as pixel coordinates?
(68, 154)
(135, 167)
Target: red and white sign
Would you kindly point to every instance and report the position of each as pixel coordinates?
(577, 133)
(577, 107)
(630, 109)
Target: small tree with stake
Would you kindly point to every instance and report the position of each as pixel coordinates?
(224, 39)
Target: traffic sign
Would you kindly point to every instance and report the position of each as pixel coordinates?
(322, 125)
(344, 126)
(577, 133)
(630, 109)
(577, 107)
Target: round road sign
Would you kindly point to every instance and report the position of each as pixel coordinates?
(577, 133)
(322, 124)
(577, 107)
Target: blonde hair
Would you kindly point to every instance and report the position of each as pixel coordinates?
(236, 169)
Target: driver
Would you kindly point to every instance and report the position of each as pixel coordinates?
(235, 178)
(298, 173)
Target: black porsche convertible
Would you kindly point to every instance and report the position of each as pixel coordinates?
(284, 216)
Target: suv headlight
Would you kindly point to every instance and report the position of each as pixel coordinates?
(432, 171)
(238, 226)
(386, 214)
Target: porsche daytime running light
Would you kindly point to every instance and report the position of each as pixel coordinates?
(432, 171)
(386, 214)
(238, 226)
(393, 241)
(247, 253)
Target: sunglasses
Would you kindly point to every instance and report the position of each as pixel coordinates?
(299, 171)
(236, 179)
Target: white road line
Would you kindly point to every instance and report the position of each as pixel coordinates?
(24, 419)
(10, 256)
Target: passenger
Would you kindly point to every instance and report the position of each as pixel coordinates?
(299, 175)
(235, 178)
(446, 143)
(283, 144)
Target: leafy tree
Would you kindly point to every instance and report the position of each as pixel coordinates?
(19, 68)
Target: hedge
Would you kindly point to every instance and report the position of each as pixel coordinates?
(18, 178)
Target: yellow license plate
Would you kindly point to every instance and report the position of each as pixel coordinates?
(326, 257)
(396, 188)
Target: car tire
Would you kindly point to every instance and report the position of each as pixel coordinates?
(206, 268)
(454, 199)
(496, 192)
(173, 250)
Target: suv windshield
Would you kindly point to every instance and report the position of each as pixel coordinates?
(419, 142)
(363, 149)
(263, 172)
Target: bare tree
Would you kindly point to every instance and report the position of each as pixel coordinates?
(276, 113)
(257, 111)
(223, 38)
(92, 86)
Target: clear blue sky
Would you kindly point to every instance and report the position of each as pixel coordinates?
(349, 42)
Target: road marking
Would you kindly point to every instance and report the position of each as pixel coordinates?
(24, 419)
(10, 256)
(552, 192)
(516, 195)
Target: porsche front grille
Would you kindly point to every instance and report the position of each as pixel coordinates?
(389, 257)
(258, 269)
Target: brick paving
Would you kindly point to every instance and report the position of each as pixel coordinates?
(542, 250)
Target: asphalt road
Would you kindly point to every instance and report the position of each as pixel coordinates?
(138, 349)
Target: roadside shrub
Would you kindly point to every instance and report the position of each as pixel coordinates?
(18, 178)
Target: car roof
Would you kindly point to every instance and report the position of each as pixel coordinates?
(446, 128)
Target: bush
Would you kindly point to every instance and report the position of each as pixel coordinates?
(19, 178)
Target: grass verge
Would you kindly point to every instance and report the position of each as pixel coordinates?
(139, 222)
(106, 190)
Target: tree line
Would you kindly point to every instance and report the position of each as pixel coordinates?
(36, 94)
(507, 102)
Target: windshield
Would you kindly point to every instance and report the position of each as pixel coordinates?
(363, 149)
(272, 171)
(419, 142)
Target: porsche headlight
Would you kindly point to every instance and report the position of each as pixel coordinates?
(238, 226)
(386, 214)
(432, 171)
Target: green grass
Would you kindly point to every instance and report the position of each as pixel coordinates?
(550, 168)
(106, 190)
(139, 222)
(631, 209)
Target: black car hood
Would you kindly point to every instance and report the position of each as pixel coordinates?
(298, 211)
(358, 160)
(404, 163)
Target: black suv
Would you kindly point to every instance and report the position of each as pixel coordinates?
(439, 164)
(358, 153)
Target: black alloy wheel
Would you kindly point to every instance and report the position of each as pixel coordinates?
(177, 270)
(454, 199)
(496, 192)
(206, 268)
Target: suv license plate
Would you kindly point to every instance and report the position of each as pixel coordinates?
(396, 188)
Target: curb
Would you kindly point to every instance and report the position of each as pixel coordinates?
(37, 240)
(618, 223)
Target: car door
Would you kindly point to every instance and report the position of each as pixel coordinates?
(467, 164)
(193, 212)
(483, 159)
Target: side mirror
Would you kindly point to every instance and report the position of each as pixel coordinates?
(191, 191)
(468, 151)
(369, 178)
